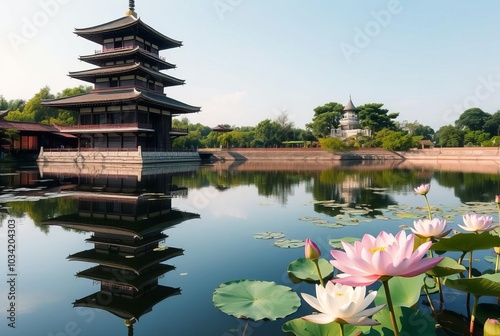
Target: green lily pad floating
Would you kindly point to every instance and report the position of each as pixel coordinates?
(406, 319)
(381, 217)
(305, 269)
(484, 285)
(406, 215)
(400, 294)
(269, 235)
(309, 219)
(255, 300)
(300, 327)
(336, 243)
(289, 243)
(446, 267)
(405, 227)
(466, 242)
(491, 259)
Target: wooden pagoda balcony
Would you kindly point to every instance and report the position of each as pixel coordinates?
(117, 127)
(100, 51)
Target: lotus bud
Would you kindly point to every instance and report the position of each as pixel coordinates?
(497, 199)
(497, 250)
(311, 250)
(492, 327)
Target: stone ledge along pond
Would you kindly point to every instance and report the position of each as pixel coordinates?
(103, 252)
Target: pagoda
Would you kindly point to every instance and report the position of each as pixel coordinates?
(127, 111)
(349, 124)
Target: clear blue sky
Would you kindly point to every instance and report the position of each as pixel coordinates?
(248, 60)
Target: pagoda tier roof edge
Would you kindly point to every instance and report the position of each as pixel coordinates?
(96, 33)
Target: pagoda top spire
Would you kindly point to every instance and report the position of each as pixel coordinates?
(131, 9)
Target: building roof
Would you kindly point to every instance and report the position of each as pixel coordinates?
(221, 128)
(350, 106)
(28, 127)
(127, 25)
(99, 58)
(90, 75)
(124, 96)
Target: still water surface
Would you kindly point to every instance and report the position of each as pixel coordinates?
(192, 228)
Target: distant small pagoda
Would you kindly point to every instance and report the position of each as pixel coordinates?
(349, 124)
(127, 110)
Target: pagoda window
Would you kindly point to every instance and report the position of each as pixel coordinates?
(118, 44)
(85, 119)
(128, 44)
(151, 85)
(99, 118)
(142, 118)
(114, 83)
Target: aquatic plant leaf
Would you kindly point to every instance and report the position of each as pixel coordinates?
(490, 259)
(405, 292)
(466, 242)
(406, 318)
(484, 285)
(406, 215)
(300, 327)
(309, 219)
(255, 300)
(289, 243)
(446, 267)
(269, 235)
(305, 269)
(336, 243)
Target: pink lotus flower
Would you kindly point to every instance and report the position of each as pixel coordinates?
(430, 228)
(423, 189)
(342, 304)
(311, 250)
(475, 223)
(384, 256)
(497, 199)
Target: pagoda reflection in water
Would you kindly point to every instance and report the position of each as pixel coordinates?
(127, 216)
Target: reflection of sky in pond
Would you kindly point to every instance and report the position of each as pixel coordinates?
(218, 247)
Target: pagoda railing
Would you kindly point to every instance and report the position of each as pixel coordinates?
(180, 130)
(111, 126)
(105, 149)
(100, 51)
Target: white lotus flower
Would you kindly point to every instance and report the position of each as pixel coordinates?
(342, 304)
(425, 228)
(476, 223)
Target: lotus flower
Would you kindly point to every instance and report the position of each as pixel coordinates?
(384, 256)
(341, 304)
(311, 250)
(475, 223)
(497, 199)
(430, 228)
(423, 189)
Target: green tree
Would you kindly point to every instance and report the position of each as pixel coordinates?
(450, 136)
(326, 118)
(4, 104)
(374, 117)
(475, 138)
(332, 144)
(492, 124)
(395, 140)
(473, 119)
(267, 131)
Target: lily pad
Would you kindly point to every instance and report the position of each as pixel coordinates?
(255, 300)
(466, 242)
(406, 319)
(406, 215)
(336, 243)
(484, 285)
(446, 267)
(269, 235)
(400, 294)
(289, 243)
(300, 327)
(305, 269)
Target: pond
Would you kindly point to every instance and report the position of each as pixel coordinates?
(163, 238)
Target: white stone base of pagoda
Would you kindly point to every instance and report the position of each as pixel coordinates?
(114, 156)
